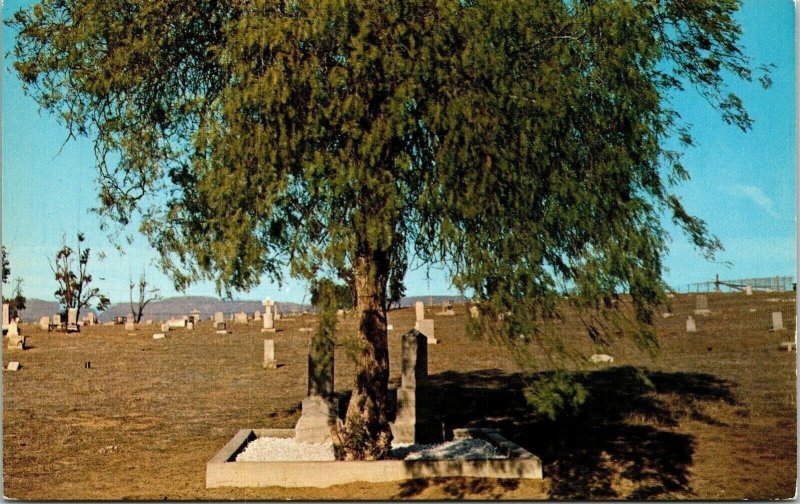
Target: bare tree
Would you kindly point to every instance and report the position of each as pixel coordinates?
(145, 296)
(74, 289)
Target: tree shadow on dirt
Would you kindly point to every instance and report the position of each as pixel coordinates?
(620, 438)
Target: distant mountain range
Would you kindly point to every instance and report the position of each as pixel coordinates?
(183, 305)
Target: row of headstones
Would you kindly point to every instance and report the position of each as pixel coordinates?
(319, 408)
(777, 323)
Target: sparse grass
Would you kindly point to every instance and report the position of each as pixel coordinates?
(718, 421)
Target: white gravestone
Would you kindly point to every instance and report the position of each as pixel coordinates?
(777, 321)
(269, 354)
(690, 325)
(268, 320)
(419, 308)
(72, 320)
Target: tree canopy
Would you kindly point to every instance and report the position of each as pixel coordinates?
(520, 143)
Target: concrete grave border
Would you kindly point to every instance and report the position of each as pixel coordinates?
(224, 471)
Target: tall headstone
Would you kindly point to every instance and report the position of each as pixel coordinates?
(319, 408)
(219, 317)
(423, 325)
(777, 321)
(5, 315)
(420, 310)
(44, 323)
(57, 319)
(690, 325)
(72, 320)
(269, 354)
(268, 320)
(412, 424)
(701, 305)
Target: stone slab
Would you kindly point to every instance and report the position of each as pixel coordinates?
(427, 327)
(159, 336)
(223, 471)
(13, 366)
(777, 321)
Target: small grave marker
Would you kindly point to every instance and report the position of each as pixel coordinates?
(690, 324)
(701, 305)
(269, 355)
(777, 321)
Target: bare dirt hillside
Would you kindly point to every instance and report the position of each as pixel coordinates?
(711, 416)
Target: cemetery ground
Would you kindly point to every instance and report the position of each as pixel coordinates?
(713, 418)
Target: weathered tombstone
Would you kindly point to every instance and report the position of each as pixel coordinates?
(15, 340)
(57, 319)
(148, 322)
(90, 319)
(268, 320)
(690, 325)
(159, 336)
(13, 366)
(701, 305)
(5, 315)
(219, 317)
(44, 323)
(190, 326)
(277, 315)
(165, 327)
(177, 323)
(319, 411)
(777, 321)
(419, 310)
(240, 318)
(748, 290)
(256, 315)
(194, 316)
(601, 359)
(412, 424)
(269, 354)
(426, 327)
(474, 312)
(389, 327)
(221, 327)
(130, 326)
(72, 320)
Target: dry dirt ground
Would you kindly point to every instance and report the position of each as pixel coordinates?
(711, 416)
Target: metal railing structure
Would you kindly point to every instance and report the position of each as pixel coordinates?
(764, 284)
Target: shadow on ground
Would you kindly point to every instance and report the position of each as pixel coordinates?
(620, 441)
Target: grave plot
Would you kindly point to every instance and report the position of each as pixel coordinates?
(305, 456)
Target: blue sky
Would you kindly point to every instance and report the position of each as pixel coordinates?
(743, 185)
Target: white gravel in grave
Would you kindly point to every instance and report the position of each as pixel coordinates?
(266, 449)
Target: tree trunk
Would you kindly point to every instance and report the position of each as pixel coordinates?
(366, 429)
